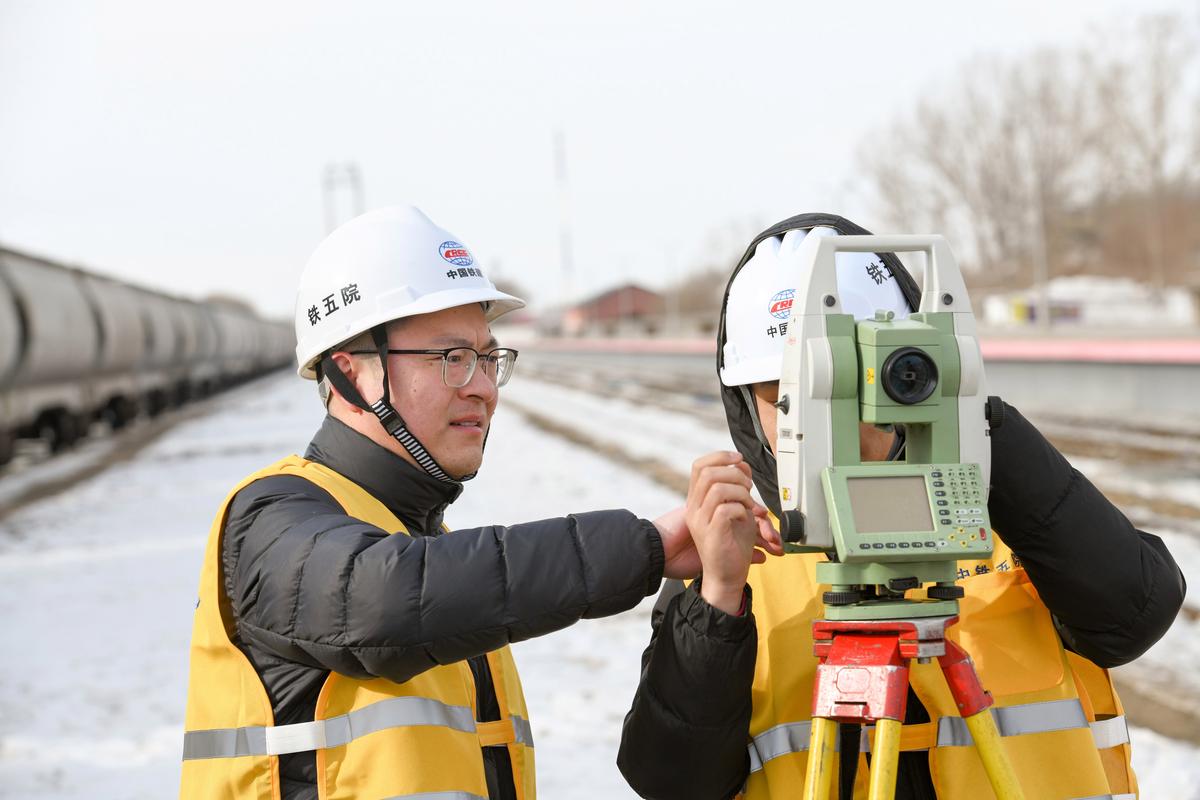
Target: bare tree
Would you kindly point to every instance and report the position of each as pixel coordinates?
(1029, 163)
(1146, 106)
(992, 159)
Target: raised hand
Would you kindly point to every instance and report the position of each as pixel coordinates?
(725, 526)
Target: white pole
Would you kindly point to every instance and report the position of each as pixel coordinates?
(566, 254)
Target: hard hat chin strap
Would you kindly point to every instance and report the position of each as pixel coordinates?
(747, 394)
(382, 408)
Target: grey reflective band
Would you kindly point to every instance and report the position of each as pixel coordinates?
(1110, 732)
(522, 733)
(438, 796)
(276, 740)
(790, 737)
(225, 743)
(1109, 797)
(523, 730)
(1053, 715)
(1047, 717)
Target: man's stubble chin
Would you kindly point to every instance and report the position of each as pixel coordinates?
(463, 461)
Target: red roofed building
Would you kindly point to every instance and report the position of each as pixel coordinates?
(625, 310)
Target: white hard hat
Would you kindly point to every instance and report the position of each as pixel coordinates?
(760, 302)
(387, 264)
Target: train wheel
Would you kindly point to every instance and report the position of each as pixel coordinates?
(61, 430)
(109, 416)
(50, 432)
(119, 412)
(127, 410)
(156, 403)
(71, 429)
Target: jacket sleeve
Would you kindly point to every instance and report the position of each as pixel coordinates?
(1113, 590)
(313, 585)
(685, 735)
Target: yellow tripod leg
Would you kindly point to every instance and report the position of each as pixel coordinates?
(995, 760)
(819, 778)
(885, 757)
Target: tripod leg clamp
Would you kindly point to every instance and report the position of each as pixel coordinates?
(862, 677)
(968, 692)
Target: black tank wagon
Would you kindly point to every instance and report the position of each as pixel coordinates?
(76, 348)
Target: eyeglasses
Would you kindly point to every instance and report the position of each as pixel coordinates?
(458, 363)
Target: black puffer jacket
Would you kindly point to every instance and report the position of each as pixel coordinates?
(1113, 592)
(312, 590)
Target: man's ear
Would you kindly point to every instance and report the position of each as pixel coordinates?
(358, 372)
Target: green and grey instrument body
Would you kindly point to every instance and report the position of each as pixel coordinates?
(884, 520)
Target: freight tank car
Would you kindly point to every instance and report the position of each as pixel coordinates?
(76, 348)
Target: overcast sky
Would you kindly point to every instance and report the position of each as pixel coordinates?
(183, 146)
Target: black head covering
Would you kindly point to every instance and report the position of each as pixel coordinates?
(739, 411)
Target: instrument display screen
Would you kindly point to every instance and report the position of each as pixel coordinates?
(890, 504)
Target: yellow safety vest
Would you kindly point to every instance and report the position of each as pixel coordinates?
(1062, 722)
(373, 739)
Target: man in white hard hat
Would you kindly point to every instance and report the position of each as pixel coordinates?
(343, 647)
(1072, 589)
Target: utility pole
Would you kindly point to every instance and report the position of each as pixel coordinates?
(346, 175)
(566, 247)
(1041, 260)
(673, 328)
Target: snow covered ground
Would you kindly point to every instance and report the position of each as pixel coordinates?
(99, 584)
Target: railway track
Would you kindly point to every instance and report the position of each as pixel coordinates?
(1144, 456)
(38, 471)
(1137, 458)
(1156, 451)
(1147, 451)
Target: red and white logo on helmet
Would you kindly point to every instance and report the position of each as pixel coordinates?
(781, 304)
(457, 254)
(754, 342)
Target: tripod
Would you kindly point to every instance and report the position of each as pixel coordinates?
(863, 678)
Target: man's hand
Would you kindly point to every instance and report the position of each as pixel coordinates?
(718, 530)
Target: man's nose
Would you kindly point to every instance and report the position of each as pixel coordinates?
(481, 384)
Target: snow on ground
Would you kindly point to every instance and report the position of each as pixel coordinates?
(1146, 482)
(644, 432)
(1185, 548)
(100, 584)
(1166, 768)
(99, 587)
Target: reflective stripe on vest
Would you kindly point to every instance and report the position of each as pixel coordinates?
(1055, 715)
(1111, 732)
(790, 737)
(505, 731)
(395, 712)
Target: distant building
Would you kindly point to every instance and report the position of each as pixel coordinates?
(1096, 302)
(627, 310)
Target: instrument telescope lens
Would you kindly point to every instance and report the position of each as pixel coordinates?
(909, 376)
